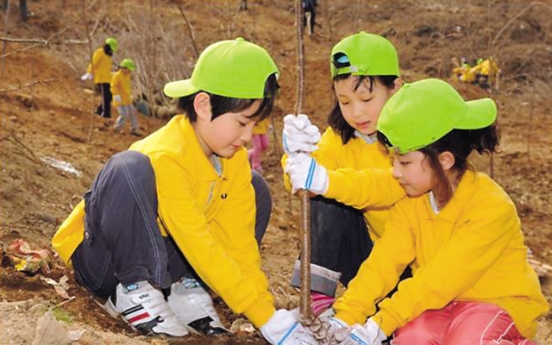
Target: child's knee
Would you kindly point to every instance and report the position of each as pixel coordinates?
(415, 333)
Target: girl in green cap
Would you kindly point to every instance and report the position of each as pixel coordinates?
(181, 211)
(458, 230)
(365, 72)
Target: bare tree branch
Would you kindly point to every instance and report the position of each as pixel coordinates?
(24, 86)
(23, 40)
(190, 31)
(47, 41)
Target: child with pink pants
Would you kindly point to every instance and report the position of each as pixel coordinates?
(259, 143)
(457, 229)
(462, 323)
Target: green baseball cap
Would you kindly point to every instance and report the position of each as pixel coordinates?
(112, 43)
(423, 112)
(128, 64)
(231, 68)
(364, 54)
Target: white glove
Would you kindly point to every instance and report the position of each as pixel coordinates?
(117, 98)
(87, 76)
(299, 135)
(305, 173)
(284, 329)
(369, 334)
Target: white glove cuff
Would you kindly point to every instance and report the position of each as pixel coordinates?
(321, 178)
(279, 323)
(374, 328)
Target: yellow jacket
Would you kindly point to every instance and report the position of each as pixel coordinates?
(343, 161)
(100, 67)
(210, 217)
(262, 127)
(120, 85)
(487, 67)
(473, 250)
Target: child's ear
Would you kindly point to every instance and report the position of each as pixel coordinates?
(398, 83)
(447, 160)
(202, 106)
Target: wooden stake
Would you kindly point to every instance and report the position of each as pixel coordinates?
(305, 302)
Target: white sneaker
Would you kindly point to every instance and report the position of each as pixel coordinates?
(144, 308)
(194, 308)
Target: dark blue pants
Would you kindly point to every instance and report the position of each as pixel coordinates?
(104, 109)
(123, 243)
(339, 245)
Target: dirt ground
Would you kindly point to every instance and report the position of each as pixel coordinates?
(47, 112)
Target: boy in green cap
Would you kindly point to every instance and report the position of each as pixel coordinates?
(457, 229)
(365, 72)
(176, 213)
(121, 90)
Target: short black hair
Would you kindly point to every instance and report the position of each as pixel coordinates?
(107, 49)
(221, 104)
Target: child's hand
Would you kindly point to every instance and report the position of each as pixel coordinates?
(299, 135)
(87, 76)
(305, 173)
(284, 329)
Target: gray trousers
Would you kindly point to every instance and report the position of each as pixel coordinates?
(123, 243)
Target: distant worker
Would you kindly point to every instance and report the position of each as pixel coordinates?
(22, 9)
(309, 15)
(100, 71)
(121, 90)
(464, 73)
(486, 71)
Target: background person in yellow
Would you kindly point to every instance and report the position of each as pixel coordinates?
(176, 213)
(365, 72)
(100, 71)
(259, 144)
(121, 90)
(458, 230)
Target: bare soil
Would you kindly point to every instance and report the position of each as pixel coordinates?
(46, 111)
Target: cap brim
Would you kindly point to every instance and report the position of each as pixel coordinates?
(481, 113)
(179, 88)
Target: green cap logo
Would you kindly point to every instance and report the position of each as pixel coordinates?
(423, 112)
(364, 54)
(233, 68)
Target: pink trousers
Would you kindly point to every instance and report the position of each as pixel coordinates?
(462, 323)
(259, 143)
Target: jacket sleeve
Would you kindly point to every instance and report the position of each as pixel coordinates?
(378, 275)
(96, 60)
(242, 245)
(371, 187)
(116, 85)
(188, 226)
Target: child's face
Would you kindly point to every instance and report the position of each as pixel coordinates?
(361, 108)
(413, 173)
(226, 134)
